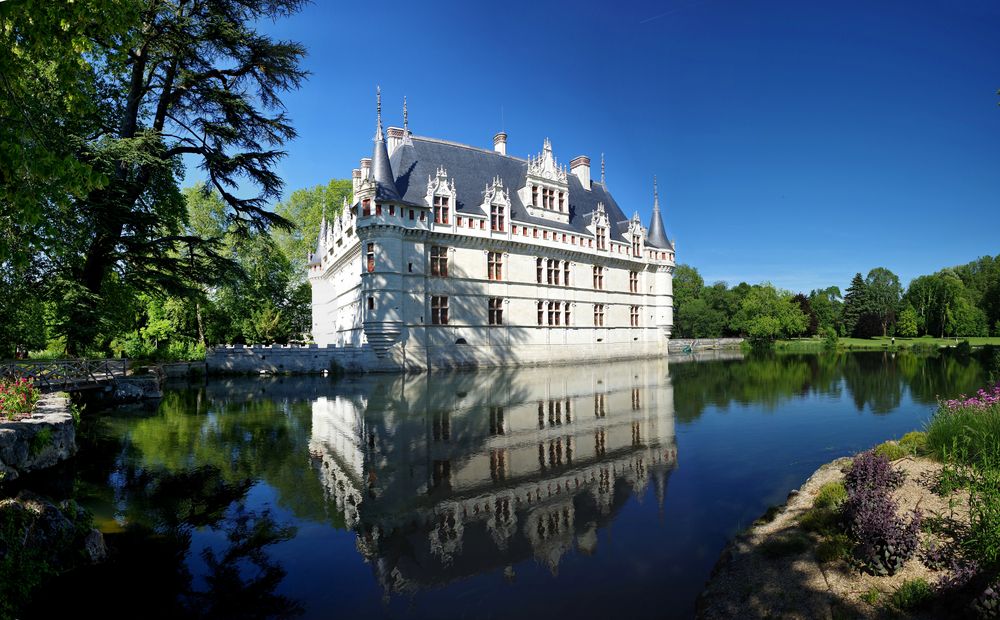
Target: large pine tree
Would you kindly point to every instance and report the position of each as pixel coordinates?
(855, 304)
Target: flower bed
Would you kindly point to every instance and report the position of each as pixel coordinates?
(17, 399)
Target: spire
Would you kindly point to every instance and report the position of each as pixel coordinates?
(381, 169)
(657, 237)
(602, 170)
(406, 118)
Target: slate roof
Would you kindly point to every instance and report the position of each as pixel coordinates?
(473, 169)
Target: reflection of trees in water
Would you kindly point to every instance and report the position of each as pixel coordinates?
(875, 380)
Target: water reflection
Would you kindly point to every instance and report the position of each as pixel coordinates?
(445, 476)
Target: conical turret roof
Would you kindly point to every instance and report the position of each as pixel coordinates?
(657, 236)
(381, 168)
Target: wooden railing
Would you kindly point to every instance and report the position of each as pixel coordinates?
(65, 374)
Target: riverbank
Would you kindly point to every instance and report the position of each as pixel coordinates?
(42, 439)
(879, 344)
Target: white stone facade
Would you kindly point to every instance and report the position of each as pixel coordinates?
(426, 270)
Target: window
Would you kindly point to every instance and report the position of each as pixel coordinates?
(441, 210)
(496, 218)
(566, 273)
(555, 312)
(562, 201)
(439, 261)
(371, 257)
(538, 270)
(496, 311)
(458, 221)
(552, 271)
(633, 315)
(439, 310)
(600, 406)
(378, 209)
(371, 302)
(598, 277)
(534, 233)
(392, 209)
(548, 198)
(566, 316)
(541, 312)
(534, 195)
(496, 421)
(494, 265)
(636, 400)
(633, 282)
(602, 235)
(423, 216)
(598, 315)
(545, 234)
(635, 245)
(366, 207)
(411, 215)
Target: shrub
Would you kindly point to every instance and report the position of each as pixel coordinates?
(891, 450)
(983, 540)
(911, 594)
(914, 442)
(883, 540)
(17, 398)
(830, 495)
(830, 338)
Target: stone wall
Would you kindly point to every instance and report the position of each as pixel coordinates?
(700, 344)
(40, 441)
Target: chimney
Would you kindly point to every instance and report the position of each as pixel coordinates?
(395, 135)
(366, 168)
(355, 180)
(580, 166)
(500, 143)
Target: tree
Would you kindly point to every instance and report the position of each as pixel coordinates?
(305, 209)
(906, 324)
(812, 324)
(178, 79)
(696, 319)
(883, 295)
(855, 304)
(766, 314)
(827, 305)
(687, 285)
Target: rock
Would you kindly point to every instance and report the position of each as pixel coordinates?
(42, 440)
(94, 547)
(136, 388)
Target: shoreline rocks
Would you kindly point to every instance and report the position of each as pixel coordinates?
(45, 438)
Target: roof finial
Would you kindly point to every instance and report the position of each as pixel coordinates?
(378, 113)
(406, 118)
(602, 169)
(656, 195)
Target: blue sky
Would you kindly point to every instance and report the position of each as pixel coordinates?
(795, 142)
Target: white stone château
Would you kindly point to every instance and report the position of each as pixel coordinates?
(451, 255)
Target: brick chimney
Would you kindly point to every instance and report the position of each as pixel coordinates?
(580, 166)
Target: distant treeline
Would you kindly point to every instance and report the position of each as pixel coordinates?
(956, 301)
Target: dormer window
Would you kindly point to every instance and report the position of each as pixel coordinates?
(602, 236)
(441, 210)
(534, 195)
(548, 198)
(635, 245)
(496, 217)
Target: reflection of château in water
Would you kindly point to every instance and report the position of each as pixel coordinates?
(445, 476)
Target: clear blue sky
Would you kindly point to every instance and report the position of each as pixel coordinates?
(795, 142)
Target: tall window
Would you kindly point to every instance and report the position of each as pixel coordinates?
(548, 198)
(441, 210)
(439, 261)
(538, 270)
(636, 400)
(635, 245)
(541, 313)
(633, 282)
(439, 310)
(552, 271)
(598, 277)
(600, 406)
(633, 316)
(598, 315)
(566, 316)
(496, 218)
(494, 265)
(496, 311)
(566, 273)
(534, 195)
(496, 421)
(562, 201)
(602, 236)
(378, 208)
(555, 312)
(366, 207)
(371, 257)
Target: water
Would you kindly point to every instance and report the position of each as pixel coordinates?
(590, 491)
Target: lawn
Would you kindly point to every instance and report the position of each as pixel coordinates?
(809, 344)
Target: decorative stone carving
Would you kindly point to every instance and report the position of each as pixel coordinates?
(439, 185)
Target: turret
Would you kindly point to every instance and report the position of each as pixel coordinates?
(657, 237)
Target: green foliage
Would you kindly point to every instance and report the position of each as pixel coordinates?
(830, 339)
(785, 544)
(833, 547)
(883, 293)
(891, 450)
(17, 398)
(40, 441)
(871, 595)
(912, 594)
(906, 323)
(830, 495)
(766, 314)
(914, 442)
(305, 209)
(855, 305)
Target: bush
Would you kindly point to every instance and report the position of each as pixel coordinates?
(830, 495)
(914, 443)
(912, 594)
(966, 429)
(884, 541)
(830, 338)
(17, 398)
(891, 450)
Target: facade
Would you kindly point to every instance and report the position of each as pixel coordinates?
(448, 254)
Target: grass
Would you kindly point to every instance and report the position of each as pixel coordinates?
(872, 595)
(782, 546)
(830, 495)
(912, 594)
(878, 344)
(891, 450)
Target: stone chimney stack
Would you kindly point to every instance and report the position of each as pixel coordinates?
(366, 168)
(395, 135)
(355, 179)
(500, 143)
(580, 166)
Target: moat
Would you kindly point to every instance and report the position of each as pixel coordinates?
(585, 491)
